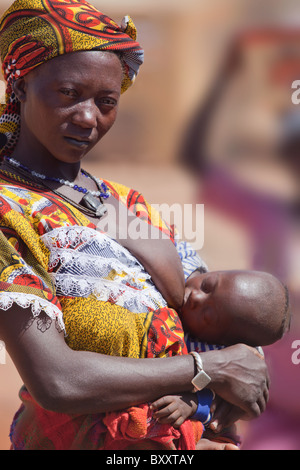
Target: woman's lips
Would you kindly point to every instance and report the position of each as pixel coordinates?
(79, 143)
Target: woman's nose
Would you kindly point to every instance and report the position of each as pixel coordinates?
(86, 114)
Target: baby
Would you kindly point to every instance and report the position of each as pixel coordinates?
(229, 307)
(225, 308)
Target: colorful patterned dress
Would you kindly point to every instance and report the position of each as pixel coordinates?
(54, 260)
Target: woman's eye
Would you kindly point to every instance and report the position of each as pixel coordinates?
(70, 92)
(109, 102)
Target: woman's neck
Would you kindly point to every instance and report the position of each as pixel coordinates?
(37, 158)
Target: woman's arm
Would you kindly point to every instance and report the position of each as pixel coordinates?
(64, 380)
(160, 259)
(150, 246)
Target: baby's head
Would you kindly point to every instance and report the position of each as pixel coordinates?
(226, 307)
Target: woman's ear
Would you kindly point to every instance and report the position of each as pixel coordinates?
(19, 88)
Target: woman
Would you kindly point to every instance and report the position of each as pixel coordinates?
(64, 85)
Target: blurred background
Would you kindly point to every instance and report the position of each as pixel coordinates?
(210, 120)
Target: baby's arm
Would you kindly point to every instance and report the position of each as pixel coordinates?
(175, 409)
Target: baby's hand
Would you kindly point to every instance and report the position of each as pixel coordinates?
(174, 409)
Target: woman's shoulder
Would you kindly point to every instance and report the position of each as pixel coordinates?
(135, 201)
(132, 198)
(123, 192)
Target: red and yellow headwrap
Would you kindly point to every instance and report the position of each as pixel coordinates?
(35, 31)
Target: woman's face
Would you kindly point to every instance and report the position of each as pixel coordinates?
(69, 104)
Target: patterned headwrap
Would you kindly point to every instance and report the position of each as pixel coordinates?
(35, 31)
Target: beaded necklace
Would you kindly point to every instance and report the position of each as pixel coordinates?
(92, 200)
(103, 192)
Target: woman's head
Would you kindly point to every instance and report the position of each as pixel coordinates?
(34, 32)
(68, 104)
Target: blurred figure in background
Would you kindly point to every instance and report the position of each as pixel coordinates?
(245, 134)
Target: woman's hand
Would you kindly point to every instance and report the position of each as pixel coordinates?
(240, 376)
(224, 415)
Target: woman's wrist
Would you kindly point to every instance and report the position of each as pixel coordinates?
(213, 363)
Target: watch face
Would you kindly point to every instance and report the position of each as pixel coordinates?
(201, 380)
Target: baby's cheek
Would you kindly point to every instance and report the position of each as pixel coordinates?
(191, 322)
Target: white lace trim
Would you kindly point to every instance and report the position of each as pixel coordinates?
(80, 263)
(84, 261)
(83, 245)
(74, 236)
(36, 303)
(135, 300)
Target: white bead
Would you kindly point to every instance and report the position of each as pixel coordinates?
(66, 183)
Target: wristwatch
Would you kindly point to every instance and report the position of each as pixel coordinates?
(201, 380)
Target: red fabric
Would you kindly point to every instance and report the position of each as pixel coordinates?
(133, 428)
